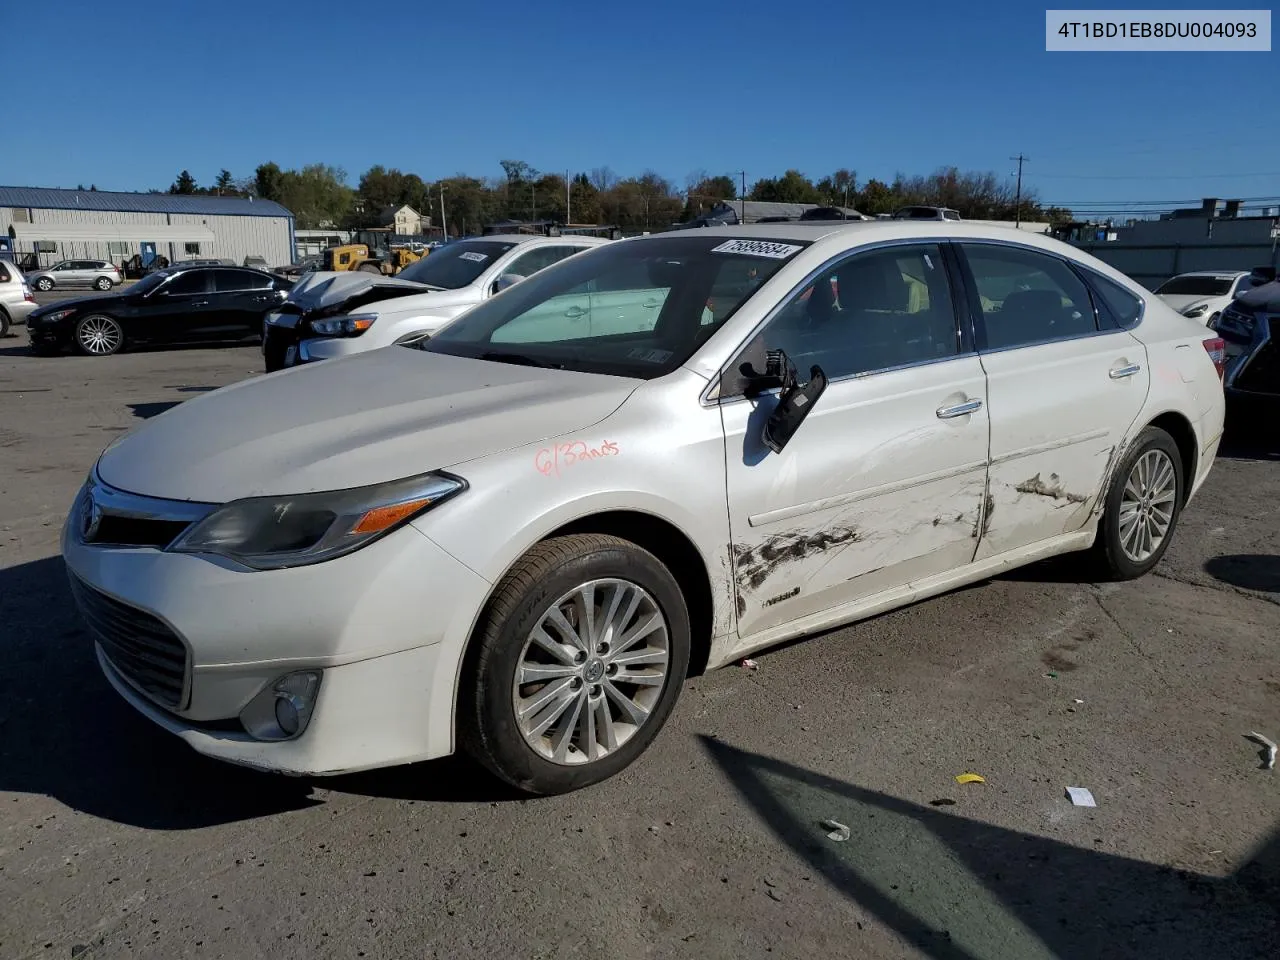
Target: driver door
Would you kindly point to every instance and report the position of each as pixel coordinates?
(883, 483)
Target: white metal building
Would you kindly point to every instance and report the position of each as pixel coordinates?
(95, 224)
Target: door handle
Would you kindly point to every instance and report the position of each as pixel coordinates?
(1119, 373)
(199, 303)
(959, 409)
(573, 313)
(653, 303)
(264, 299)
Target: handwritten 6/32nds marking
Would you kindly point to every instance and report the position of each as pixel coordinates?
(549, 461)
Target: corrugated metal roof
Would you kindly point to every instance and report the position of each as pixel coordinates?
(45, 198)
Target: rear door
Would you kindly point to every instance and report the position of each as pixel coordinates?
(1063, 390)
(238, 302)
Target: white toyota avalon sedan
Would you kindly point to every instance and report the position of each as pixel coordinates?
(519, 537)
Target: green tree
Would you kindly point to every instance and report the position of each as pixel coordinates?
(223, 184)
(792, 187)
(268, 179)
(317, 195)
(185, 183)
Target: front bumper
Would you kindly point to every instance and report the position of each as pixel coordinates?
(373, 622)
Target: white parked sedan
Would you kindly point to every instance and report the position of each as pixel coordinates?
(1204, 295)
(519, 536)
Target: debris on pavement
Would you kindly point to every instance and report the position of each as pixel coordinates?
(749, 664)
(970, 778)
(773, 894)
(1269, 759)
(942, 802)
(1077, 700)
(1051, 675)
(1081, 797)
(836, 830)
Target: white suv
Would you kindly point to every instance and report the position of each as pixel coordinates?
(16, 300)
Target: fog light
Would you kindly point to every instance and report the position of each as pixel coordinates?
(283, 709)
(288, 716)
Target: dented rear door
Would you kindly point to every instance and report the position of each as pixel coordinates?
(882, 484)
(1062, 394)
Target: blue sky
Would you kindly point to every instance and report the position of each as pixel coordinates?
(672, 86)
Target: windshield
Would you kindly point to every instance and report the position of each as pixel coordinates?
(457, 265)
(1197, 286)
(149, 283)
(635, 308)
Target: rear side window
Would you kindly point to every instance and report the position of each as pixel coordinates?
(228, 281)
(4, 274)
(1027, 297)
(1123, 309)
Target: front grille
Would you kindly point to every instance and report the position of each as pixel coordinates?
(140, 646)
(136, 532)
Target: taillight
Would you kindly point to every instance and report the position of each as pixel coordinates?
(1216, 347)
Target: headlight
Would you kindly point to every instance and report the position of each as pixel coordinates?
(55, 316)
(270, 533)
(351, 325)
(1196, 311)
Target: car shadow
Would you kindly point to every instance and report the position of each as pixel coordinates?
(958, 889)
(1252, 571)
(145, 411)
(65, 733)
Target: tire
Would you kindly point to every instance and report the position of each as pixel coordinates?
(537, 587)
(103, 283)
(1120, 552)
(45, 284)
(368, 268)
(98, 335)
(5, 323)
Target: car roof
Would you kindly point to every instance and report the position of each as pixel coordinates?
(529, 237)
(1213, 273)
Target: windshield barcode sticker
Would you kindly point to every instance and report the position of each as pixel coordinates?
(473, 256)
(758, 248)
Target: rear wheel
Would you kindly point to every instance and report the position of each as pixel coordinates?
(4, 322)
(45, 284)
(103, 283)
(578, 662)
(98, 335)
(1142, 508)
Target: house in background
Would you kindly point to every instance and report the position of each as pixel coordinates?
(403, 220)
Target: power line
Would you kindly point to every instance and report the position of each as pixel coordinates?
(1172, 176)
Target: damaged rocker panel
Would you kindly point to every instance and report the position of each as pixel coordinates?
(755, 564)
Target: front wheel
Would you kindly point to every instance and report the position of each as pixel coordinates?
(578, 661)
(99, 336)
(45, 284)
(369, 268)
(1142, 507)
(102, 283)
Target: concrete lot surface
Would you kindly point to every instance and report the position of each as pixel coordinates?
(117, 841)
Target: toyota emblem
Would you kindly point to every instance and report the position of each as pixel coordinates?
(90, 518)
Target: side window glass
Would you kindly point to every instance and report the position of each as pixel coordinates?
(228, 281)
(1122, 307)
(873, 311)
(193, 281)
(1028, 297)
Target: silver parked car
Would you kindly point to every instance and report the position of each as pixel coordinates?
(16, 300)
(77, 273)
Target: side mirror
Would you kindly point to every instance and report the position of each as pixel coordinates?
(506, 281)
(1260, 275)
(795, 399)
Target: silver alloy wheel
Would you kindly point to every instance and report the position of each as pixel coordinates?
(1147, 504)
(591, 672)
(103, 283)
(44, 283)
(99, 335)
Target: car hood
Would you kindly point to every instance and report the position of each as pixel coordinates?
(320, 289)
(1265, 298)
(101, 303)
(361, 420)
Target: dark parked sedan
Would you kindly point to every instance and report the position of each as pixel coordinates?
(180, 304)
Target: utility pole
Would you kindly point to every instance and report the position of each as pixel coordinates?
(444, 222)
(568, 199)
(1017, 203)
(743, 216)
